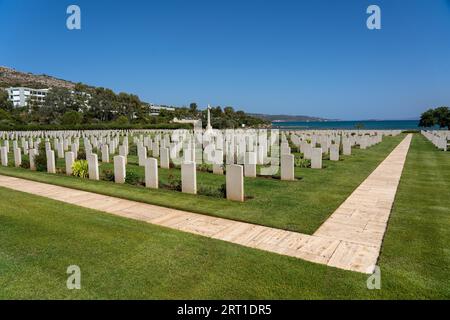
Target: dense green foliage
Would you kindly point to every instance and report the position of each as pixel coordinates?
(80, 169)
(432, 117)
(220, 118)
(40, 160)
(88, 107)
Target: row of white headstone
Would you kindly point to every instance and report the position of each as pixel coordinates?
(250, 158)
(439, 138)
(246, 149)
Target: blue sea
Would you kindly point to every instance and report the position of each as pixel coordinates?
(349, 125)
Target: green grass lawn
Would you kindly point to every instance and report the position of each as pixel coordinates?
(301, 205)
(122, 258)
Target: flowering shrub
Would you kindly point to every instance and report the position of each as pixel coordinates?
(80, 169)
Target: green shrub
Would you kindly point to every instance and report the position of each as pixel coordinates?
(220, 192)
(72, 118)
(122, 120)
(25, 164)
(223, 190)
(81, 155)
(173, 183)
(80, 169)
(133, 178)
(204, 167)
(60, 170)
(302, 163)
(107, 175)
(132, 150)
(411, 131)
(40, 160)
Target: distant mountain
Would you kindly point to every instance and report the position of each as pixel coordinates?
(285, 118)
(13, 78)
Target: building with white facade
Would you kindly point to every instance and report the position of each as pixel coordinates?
(21, 95)
(156, 109)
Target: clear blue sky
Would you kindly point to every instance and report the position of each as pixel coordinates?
(291, 57)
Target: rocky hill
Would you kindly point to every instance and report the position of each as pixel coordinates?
(13, 78)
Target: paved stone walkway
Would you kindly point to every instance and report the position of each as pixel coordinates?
(350, 239)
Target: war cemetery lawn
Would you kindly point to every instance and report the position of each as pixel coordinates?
(123, 258)
(301, 205)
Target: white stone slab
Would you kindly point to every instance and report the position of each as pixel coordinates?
(119, 169)
(235, 182)
(189, 178)
(151, 173)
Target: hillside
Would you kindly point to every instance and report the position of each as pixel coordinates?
(12, 78)
(285, 118)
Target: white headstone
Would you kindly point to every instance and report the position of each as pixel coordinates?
(142, 155)
(17, 157)
(70, 159)
(188, 178)
(93, 166)
(287, 167)
(334, 152)
(123, 152)
(218, 162)
(105, 153)
(346, 147)
(51, 168)
(307, 150)
(31, 155)
(316, 158)
(60, 150)
(235, 182)
(151, 173)
(119, 169)
(250, 164)
(165, 162)
(4, 156)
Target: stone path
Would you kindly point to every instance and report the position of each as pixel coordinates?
(350, 239)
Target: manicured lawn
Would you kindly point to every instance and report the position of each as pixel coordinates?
(301, 205)
(416, 249)
(122, 258)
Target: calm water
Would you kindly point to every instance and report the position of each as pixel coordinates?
(367, 125)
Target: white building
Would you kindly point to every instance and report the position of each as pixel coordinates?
(20, 95)
(156, 109)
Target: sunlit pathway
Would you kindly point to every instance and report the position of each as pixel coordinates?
(360, 222)
(350, 239)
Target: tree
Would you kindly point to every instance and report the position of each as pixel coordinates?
(439, 116)
(71, 118)
(228, 110)
(57, 102)
(442, 116)
(5, 104)
(4, 115)
(427, 119)
(193, 107)
(121, 120)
